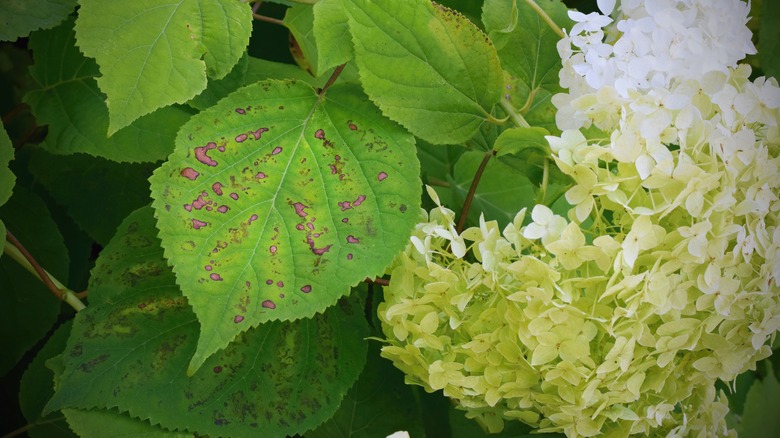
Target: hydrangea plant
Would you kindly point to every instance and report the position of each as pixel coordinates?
(662, 277)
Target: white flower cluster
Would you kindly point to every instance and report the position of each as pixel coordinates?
(619, 319)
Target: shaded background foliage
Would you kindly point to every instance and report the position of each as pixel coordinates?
(73, 221)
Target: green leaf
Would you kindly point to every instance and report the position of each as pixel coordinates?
(300, 20)
(760, 418)
(331, 32)
(129, 350)
(27, 308)
(379, 404)
(501, 193)
(248, 71)
(769, 38)
(20, 17)
(7, 178)
(98, 194)
(426, 67)
(68, 100)
(96, 423)
(277, 191)
(37, 387)
(517, 141)
(527, 48)
(152, 55)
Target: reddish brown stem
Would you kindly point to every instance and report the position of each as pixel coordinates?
(332, 79)
(267, 19)
(34, 263)
(470, 196)
(379, 281)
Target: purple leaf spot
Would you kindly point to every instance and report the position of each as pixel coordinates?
(353, 126)
(306, 289)
(345, 220)
(281, 295)
(259, 133)
(352, 239)
(252, 219)
(349, 256)
(299, 207)
(269, 282)
(280, 284)
(345, 205)
(359, 200)
(381, 176)
(248, 284)
(217, 187)
(238, 318)
(333, 169)
(218, 369)
(268, 304)
(188, 207)
(215, 277)
(234, 196)
(201, 154)
(276, 150)
(241, 138)
(198, 224)
(261, 175)
(223, 208)
(189, 173)
(320, 134)
(310, 226)
(240, 111)
(221, 148)
(299, 227)
(272, 249)
(199, 203)
(207, 267)
(208, 208)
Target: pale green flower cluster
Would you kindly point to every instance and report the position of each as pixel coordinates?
(619, 318)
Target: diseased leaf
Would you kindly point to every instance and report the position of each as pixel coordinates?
(154, 54)
(68, 100)
(20, 17)
(501, 193)
(98, 194)
(27, 308)
(377, 405)
(527, 48)
(139, 333)
(37, 387)
(426, 67)
(277, 191)
(95, 423)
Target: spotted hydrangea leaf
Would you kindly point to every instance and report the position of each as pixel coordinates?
(276, 201)
(154, 54)
(20, 17)
(427, 67)
(128, 352)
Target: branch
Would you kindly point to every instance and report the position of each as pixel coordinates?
(18, 252)
(332, 79)
(558, 31)
(259, 17)
(470, 196)
(379, 281)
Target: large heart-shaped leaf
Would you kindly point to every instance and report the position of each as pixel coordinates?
(277, 200)
(128, 351)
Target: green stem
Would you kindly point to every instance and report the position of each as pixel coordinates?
(545, 181)
(513, 114)
(470, 196)
(259, 17)
(17, 251)
(27, 427)
(436, 182)
(558, 31)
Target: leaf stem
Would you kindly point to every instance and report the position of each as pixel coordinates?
(470, 196)
(29, 426)
(436, 182)
(513, 114)
(18, 252)
(379, 281)
(332, 79)
(558, 31)
(259, 17)
(545, 181)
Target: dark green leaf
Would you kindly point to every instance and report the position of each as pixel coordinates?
(769, 38)
(37, 387)
(97, 193)
(760, 418)
(129, 350)
(425, 66)
(377, 405)
(68, 100)
(27, 308)
(20, 17)
(517, 141)
(7, 178)
(276, 190)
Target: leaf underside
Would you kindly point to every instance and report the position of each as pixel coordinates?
(20, 17)
(275, 202)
